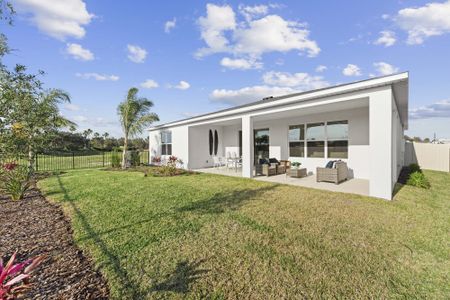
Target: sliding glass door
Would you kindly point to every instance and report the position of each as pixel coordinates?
(261, 139)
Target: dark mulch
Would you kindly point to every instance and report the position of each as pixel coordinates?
(34, 226)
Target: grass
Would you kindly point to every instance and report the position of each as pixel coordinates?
(67, 161)
(210, 236)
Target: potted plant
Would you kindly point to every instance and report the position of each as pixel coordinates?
(296, 165)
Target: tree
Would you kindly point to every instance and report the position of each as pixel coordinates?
(86, 134)
(29, 114)
(134, 113)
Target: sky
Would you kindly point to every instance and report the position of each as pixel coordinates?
(194, 57)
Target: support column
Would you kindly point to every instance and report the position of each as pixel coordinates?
(380, 148)
(247, 147)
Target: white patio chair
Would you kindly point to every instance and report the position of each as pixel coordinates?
(216, 162)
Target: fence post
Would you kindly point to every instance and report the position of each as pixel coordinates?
(37, 164)
(73, 160)
(103, 157)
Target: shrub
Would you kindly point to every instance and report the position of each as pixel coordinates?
(156, 160)
(296, 164)
(418, 179)
(15, 180)
(115, 159)
(135, 158)
(13, 281)
(414, 168)
(169, 168)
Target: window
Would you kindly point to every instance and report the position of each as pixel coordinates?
(297, 141)
(315, 135)
(166, 143)
(337, 142)
(261, 144)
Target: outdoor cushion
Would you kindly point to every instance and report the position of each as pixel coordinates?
(274, 161)
(263, 161)
(330, 164)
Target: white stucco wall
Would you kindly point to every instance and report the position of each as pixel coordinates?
(180, 143)
(358, 122)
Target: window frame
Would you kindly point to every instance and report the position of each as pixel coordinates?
(166, 146)
(336, 139)
(300, 140)
(323, 139)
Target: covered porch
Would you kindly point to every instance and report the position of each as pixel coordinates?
(353, 186)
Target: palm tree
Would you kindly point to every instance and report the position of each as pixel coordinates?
(135, 115)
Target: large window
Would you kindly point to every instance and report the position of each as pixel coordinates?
(297, 140)
(315, 135)
(166, 143)
(261, 144)
(337, 142)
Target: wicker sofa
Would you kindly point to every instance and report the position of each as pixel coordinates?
(336, 174)
(269, 167)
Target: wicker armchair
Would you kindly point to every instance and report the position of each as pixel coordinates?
(266, 169)
(337, 174)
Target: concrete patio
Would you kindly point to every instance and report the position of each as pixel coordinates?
(354, 186)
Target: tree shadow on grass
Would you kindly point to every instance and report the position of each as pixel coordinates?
(180, 280)
(225, 201)
(132, 289)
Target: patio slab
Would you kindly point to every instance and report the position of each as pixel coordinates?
(354, 186)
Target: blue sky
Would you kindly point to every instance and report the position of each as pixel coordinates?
(196, 58)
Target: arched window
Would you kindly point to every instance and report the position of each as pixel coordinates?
(210, 142)
(216, 142)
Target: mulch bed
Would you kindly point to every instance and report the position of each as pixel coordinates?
(34, 226)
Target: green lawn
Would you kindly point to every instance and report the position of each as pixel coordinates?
(220, 237)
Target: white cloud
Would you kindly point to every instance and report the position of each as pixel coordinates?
(420, 23)
(149, 84)
(385, 68)
(78, 52)
(301, 81)
(274, 34)
(387, 38)
(182, 85)
(97, 76)
(439, 109)
(351, 70)
(81, 119)
(254, 36)
(321, 68)
(218, 19)
(136, 54)
(240, 63)
(248, 94)
(250, 12)
(275, 84)
(58, 19)
(71, 107)
(170, 25)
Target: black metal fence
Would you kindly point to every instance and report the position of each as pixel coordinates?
(52, 161)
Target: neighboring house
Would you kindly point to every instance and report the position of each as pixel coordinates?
(362, 123)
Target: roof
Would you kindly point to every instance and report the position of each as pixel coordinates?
(273, 101)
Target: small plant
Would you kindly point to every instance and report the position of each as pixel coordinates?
(418, 179)
(13, 281)
(156, 160)
(296, 164)
(15, 180)
(414, 168)
(169, 168)
(115, 159)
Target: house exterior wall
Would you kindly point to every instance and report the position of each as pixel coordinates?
(199, 156)
(180, 143)
(358, 148)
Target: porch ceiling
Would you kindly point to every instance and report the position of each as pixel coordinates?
(345, 105)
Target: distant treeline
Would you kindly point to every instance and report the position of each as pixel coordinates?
(76, 141)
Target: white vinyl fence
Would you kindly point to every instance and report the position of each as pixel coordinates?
(428, 156)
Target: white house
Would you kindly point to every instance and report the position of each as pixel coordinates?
(361, 123)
